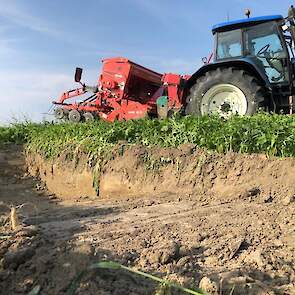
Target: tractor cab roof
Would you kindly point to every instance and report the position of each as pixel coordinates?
(242, 23)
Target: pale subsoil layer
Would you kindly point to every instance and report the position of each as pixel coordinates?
(183, 214)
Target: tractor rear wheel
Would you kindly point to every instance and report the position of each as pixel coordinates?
(225, 91)
(74, 116)
(88, 117)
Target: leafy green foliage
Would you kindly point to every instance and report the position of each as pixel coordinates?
(262, 133)
(14, 134)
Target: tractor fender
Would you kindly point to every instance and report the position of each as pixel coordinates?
(246, 64)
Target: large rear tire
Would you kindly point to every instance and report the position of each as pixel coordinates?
(226, 91)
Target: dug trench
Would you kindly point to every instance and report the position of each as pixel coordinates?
(187, 215)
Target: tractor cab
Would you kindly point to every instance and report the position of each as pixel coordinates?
(259, 40)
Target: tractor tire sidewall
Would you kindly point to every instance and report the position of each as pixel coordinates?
(239, 78)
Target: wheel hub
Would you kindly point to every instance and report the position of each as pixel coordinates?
(225, 100)
(225, 107)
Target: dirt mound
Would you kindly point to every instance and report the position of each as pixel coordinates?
(198, 218)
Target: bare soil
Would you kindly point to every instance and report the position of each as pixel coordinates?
(181, 214)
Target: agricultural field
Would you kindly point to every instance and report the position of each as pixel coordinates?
(177, 206)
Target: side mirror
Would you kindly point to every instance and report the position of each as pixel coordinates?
(78, 75)
(204, 60)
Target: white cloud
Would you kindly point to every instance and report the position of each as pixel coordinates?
(18, 15)
(30, 94)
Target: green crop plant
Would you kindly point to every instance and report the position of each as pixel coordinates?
(273, 135)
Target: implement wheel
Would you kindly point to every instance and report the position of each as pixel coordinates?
(88, 117)
(59, 113)
(74, 116)
(225, 91)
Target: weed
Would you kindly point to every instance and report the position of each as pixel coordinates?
(164, 288)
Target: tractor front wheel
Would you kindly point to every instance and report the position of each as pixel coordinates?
(225, 91)
(74, 116)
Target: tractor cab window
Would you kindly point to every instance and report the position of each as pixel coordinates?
(264, 42)
(229, 44)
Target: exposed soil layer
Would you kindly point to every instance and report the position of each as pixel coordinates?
(183, 214)
(62, 177)
(135, 171)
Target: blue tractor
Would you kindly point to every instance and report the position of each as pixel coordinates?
(253, 68)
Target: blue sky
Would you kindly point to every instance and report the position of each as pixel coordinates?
(41, 42)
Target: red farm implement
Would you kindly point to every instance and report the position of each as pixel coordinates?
(125, 91)
(252, 68)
